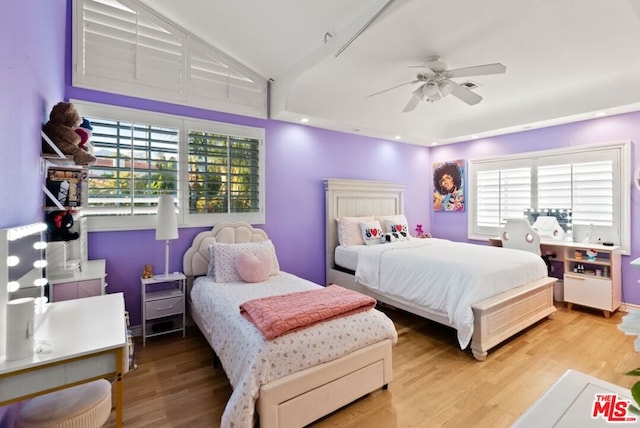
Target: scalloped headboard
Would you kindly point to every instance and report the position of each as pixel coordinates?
(196, 259)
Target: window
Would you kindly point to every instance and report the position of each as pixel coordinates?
(589, 180)
(122, 47)
(214, 170)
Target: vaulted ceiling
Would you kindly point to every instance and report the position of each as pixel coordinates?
(566, 60)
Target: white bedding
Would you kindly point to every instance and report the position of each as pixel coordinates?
(251, 361)
(346, 256)
(446, 276)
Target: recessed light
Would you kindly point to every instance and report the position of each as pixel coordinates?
(435, 143)
(397, 137)
(304, 120)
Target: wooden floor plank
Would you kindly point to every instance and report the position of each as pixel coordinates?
(435, 383)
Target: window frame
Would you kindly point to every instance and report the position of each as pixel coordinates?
(97, 222)
(620, 150)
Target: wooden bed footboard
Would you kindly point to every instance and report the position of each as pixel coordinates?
(495, 319)
(500, 317)
(303, 397)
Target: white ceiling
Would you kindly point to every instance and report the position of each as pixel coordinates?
(566, 60)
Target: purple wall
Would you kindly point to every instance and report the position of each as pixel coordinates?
(31, 81)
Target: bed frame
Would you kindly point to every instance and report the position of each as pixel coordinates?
(302, 397)
(495, 319)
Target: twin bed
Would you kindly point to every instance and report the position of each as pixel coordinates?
(296, 378)
(293, 379)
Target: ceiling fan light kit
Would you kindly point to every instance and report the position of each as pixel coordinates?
(437, 83)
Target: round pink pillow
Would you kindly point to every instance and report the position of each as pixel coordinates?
(253, 266)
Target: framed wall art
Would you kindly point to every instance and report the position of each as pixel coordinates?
(448, 185)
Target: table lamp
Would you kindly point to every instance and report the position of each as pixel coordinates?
(166, 226)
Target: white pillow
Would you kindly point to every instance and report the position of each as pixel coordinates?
(224, 257)
(349, 230)
(397, 227)
(371, 232)
(397, 218)
(211, 265)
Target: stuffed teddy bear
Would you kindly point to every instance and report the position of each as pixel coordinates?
(63, 119)
(85, 131)
(147, 272)
(58, 225)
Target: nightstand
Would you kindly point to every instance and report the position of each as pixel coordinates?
(163, 305)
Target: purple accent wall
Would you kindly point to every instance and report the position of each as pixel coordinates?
(31, 82)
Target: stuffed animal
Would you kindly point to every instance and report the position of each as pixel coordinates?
(147, 272)
(63, 119)
(85, 131)
(58, 225)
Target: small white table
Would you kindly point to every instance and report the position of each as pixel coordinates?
(163, 297)
(87, 339)
(569, 403)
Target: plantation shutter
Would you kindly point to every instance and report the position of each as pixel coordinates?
(501, 194)
(589, 181)
(122, 47)
(130, 52)
(224, 173)
(135, 164)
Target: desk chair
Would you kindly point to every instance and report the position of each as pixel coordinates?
(518, 234)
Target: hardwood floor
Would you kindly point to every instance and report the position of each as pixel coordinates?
(435, 383)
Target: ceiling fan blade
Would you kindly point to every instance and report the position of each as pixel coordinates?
(478, 70)
(415, 99)
(392, 88)
(465, 94)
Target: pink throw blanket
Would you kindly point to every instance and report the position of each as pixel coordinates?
(278, 315)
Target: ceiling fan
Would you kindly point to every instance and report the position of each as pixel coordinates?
(436, 82)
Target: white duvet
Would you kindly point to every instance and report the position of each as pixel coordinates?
(251, 361)
(446, 276)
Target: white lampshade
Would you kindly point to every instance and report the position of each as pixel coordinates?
(166, 221)
(166, 226)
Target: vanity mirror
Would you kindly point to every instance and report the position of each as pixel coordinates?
(26, 261)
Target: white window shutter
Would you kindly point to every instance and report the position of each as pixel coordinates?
(124, 48)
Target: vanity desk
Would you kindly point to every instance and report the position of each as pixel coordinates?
(591, 273)
(80, 341)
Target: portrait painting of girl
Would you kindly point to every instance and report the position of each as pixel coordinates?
(448, 186)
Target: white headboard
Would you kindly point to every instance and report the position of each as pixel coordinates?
(196, 259)
(358, 198)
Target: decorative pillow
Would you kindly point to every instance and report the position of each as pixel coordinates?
(349, 230)
(398, 227)
(371, 232)
(224, 256)
(253, 266)
(396, 218)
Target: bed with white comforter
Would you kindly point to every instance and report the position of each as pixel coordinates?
(487, 294)
(429, 273)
